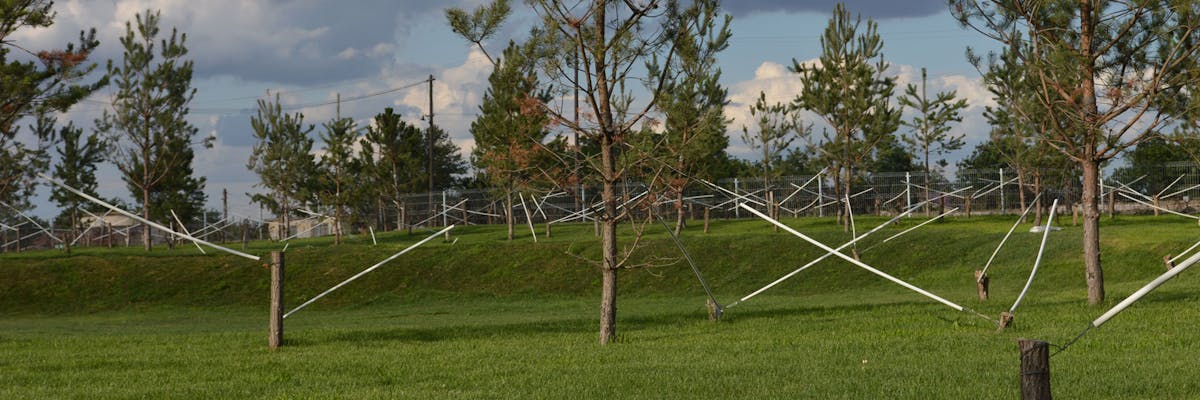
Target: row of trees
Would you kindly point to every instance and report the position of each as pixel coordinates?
(357, 168)
(144, 132)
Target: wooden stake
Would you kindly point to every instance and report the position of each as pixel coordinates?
(547, 229)
(1035, 369)
(714, 313)
(1006, 320)
(706, 211)
(1167, 262)
(981, 284)
(275, 338)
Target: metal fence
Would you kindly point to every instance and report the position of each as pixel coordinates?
(1167, 189)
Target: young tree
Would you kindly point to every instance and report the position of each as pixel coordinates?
(693, 102)
(46, 82)
(77, 158)
(777, 128)
(282, 158)
(337, 164)
(609, 38)
(447, 163)
(148, 118)
(930, 134)
(1110, 75)
(509, 133)
(397, 153)
(847, 89)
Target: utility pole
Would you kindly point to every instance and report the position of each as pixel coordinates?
(225, 210)
(430, 155)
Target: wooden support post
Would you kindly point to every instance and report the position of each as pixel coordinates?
(1156, 206)
(1006, 320)
(714, 313)
(1035, 369)
(245, 235)
(1167, 262)
(275, 339)
(1075, 214)
(547, 229)
(968, 201)
(706, 211)
(981, 284)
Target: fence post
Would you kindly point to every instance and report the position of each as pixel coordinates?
(1035, 369)
(706, 210)
(1003, 210)
(737, 211)
(908, 191)
(275, 339)
(820, 196)
(981, 284)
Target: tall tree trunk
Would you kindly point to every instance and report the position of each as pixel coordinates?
(1091, 232)
(927, 214)
(146, 214)
(508, 213)
(1037, 188)
(608, 238)
(1091, 161)
(679, 212)
(1021, 188)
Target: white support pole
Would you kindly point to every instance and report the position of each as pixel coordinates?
(528, 217)
(1038, 261)
(372, 230)
(185, 231)
(1176, 193)
(1185, 252)
(1157, 207)
(820, 195)
(39, 226)
(1010, 232)
(145, 221)
(1160, 193)
(858, 263)
(824, 256)
(1146, 289)
(908, 190)
(1003, 210)
(918, 226)
(737, 213)
(368, 270)
(99, 220)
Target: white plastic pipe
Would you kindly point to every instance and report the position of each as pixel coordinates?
(827, 255)
(372, 229)
(528, 217)
(918, 226)
(1160, 193)
(145, 221)
(39, 226)
(1185, 252)
(1037, 261)
(851, 260)
(1010, 232)
(1180, 191)
(1146, 289)
(185, 231)
(1157, 207)
(368, 270)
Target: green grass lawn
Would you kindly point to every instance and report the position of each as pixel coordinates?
(487, 318)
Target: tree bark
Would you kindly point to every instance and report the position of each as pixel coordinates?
(146, 211)
(1091, 232)
(508, 213)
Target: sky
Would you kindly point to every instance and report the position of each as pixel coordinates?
(310, 51)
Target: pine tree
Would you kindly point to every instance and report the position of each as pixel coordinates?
(282, 158)
(398, 151)
(930, 126)
(509, 153)
(77, 158)
(1109, 75)
(337, 167)
(148, 121)
(847, 89)
(53, 82)
(693, 102)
